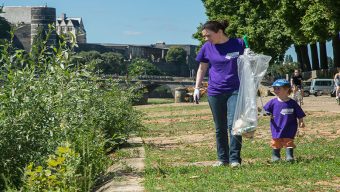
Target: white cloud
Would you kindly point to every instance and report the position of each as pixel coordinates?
(132, 33)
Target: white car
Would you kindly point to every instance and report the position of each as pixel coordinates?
(323, 86)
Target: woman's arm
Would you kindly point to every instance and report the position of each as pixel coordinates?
(202, 69)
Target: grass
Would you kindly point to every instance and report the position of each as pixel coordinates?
(157, 101)
(180, 136)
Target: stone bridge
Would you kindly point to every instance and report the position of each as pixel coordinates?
(151, 82)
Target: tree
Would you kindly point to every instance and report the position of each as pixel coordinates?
(322, 23)
(290, 13)
(112, 63)
(272, 26)
(5, 26)
(315, 57)
(105, 63)
(280, 71)
(176, 55)
(257, 19)
(140, 66)
(316, 26)
(330, 62)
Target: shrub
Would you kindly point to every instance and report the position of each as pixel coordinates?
(45, 100)
(59, 173)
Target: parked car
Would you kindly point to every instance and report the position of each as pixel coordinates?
(306, 88)
(321, 86)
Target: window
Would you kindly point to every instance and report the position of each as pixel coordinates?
(323, 83)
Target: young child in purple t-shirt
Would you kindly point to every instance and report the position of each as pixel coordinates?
(286, 115)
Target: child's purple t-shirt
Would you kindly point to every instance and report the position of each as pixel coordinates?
(285, 114)
(222, 59)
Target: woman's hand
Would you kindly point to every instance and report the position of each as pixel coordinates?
(197, 95)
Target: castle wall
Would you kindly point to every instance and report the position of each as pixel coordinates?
(42, 17)
(23, 37)
(16, 15)
(27, 20)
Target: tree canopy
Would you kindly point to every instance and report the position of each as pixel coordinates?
(176, 55)
(256, 19)
(272, 26)
(106, 63)
(141, 66)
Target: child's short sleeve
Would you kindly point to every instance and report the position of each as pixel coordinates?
(299, 112)
(268, 106)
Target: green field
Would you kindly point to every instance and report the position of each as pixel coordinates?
(180, 148)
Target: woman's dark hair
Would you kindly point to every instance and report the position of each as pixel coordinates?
(216, 25)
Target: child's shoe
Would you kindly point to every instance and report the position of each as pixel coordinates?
(276, 156)
(289, 154)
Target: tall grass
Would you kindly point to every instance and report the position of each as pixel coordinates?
(47, 101)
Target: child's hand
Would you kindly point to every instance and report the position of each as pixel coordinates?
(268, 114)
(302, 124)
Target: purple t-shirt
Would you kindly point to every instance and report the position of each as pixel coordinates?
(222, 59)
(285, 114)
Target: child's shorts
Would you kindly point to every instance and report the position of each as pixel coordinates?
(282, 142)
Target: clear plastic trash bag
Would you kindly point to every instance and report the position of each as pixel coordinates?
(251, 69)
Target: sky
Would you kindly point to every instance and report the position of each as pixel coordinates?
(130, 21)
(138, 22)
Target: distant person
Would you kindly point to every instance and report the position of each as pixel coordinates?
(286, 115)
(219, 54)
(337, 83)
(296, 82)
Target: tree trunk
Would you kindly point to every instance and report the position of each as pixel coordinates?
(315, 57)
(323, 55)
(336, 50)
(305, 58)
(298, 55)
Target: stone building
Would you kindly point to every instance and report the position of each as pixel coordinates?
(27, 21)
(72, 25)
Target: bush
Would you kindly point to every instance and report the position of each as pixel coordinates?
(59, 173)
(46, 101)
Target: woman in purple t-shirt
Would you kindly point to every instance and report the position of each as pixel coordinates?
(219, 55)
(286, 115)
